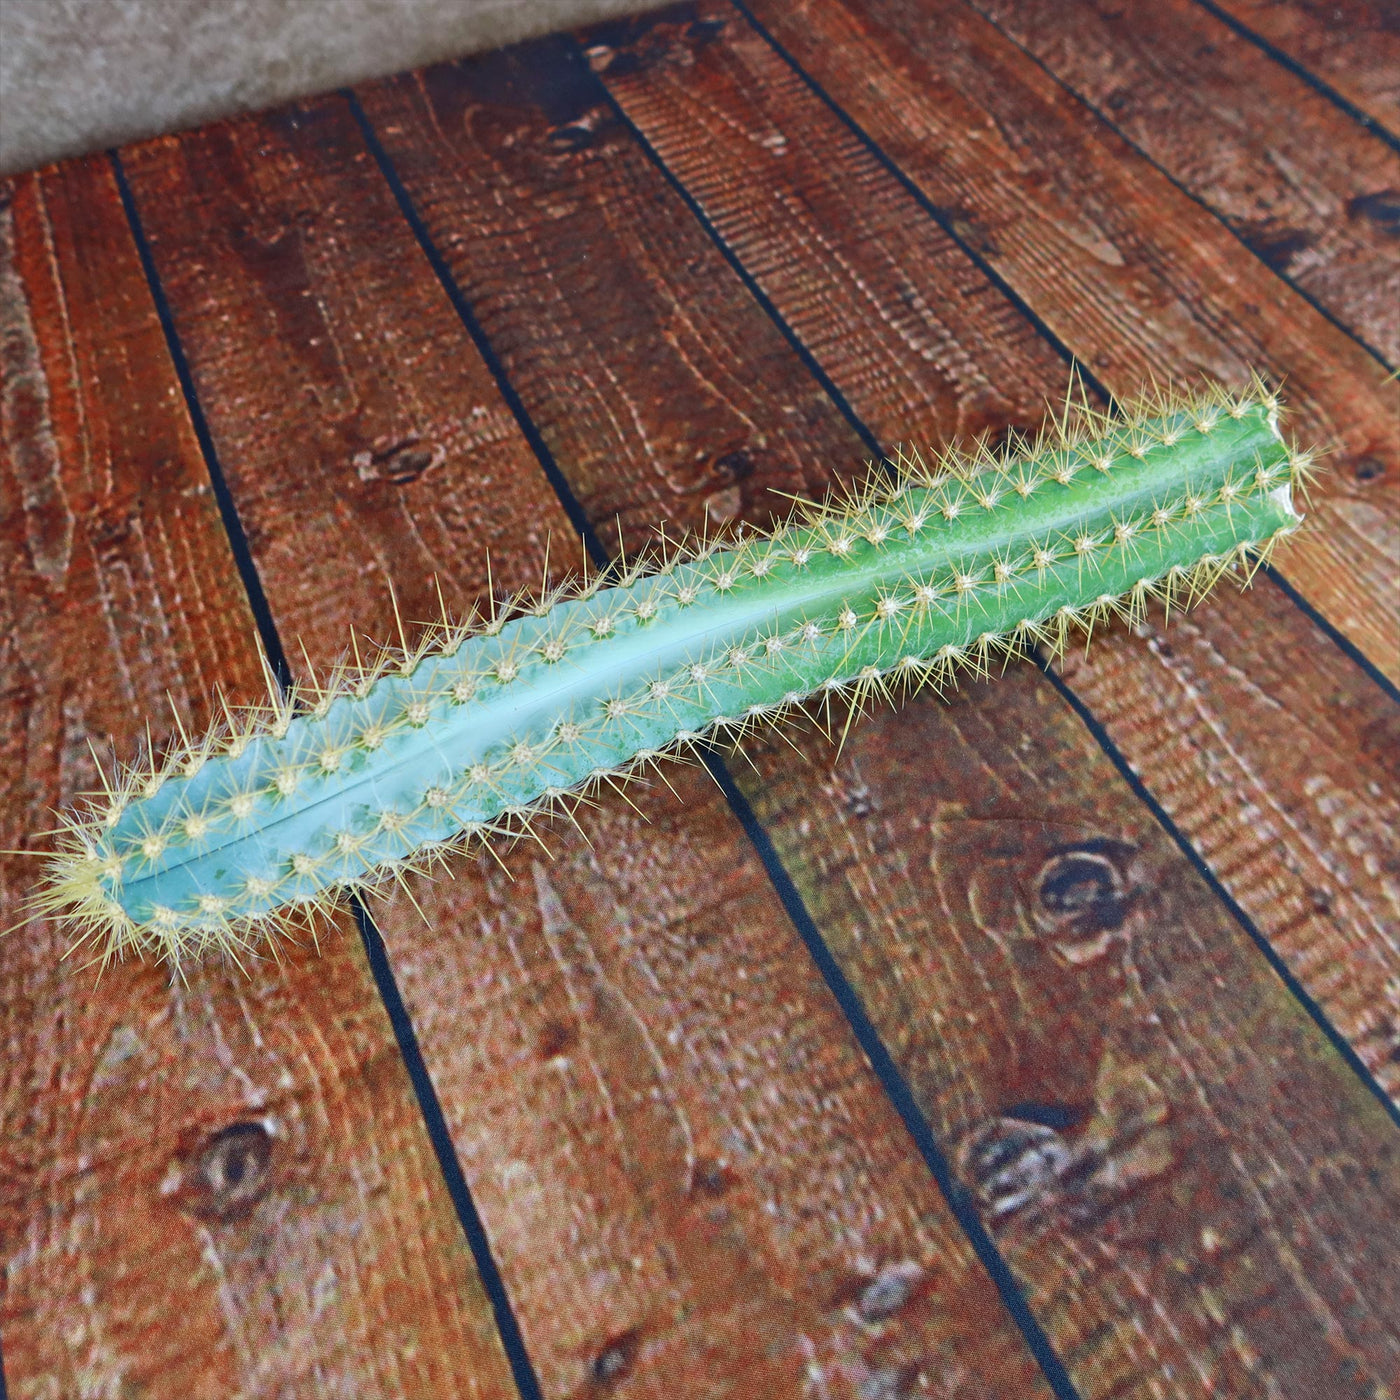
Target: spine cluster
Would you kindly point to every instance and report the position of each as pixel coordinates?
(924, 572)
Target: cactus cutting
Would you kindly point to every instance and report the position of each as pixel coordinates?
(249, 832)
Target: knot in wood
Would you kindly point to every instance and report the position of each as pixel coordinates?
(232, 1171)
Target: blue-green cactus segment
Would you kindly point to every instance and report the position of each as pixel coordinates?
(905, 582)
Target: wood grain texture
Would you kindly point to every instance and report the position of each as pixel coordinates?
(1130, 273)
(537, 121)
(1309, 190)
(692, 1182)
(866, 280)
(715, 101)
(221, 1187)
(1352, 45)
(1106, 1121)
(362, 408)
(1199, 1198)
(1283, 774)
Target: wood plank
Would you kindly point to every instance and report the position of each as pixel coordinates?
(1282, 771)
(539, 99)
(691, 1179)
(691, 1176)
(716, 102)
(1161, 1221)
(1309, 190)
(1130, 273)
(1198, 1197)
(1351, 45)
(221, 1186)
(863, 279)
(369, 410)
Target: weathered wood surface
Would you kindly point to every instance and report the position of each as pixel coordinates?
(691, 1180)
(527, 297)
(1011, 920)
(1282, 772)
(222, 1186)
(1351, 45)
(716, 102)
(870, 284)
(690, 1174)
(361, 405)
(1129, 272)
(1093, 1037)
(1313, 194)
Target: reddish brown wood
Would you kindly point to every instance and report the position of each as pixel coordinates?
(1283, 773)
(1312, 192)
(1352, 45)
(715, 101)
(685, 1163)
(1166, 1152)
(221, 1186)
(368, 415)
(723, 446)
(691, 1180)
(871, 285)
(1163, 1231)
(1132, 274)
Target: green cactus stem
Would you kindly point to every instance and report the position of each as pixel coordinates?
(916, 576)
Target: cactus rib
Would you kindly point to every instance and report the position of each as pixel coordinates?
(904, 582)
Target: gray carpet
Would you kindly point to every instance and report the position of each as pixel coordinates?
(80, 75)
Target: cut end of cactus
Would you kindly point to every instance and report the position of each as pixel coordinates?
(255, 831)
(1282, 497)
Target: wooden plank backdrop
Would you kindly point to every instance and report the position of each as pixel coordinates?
(1044, 1041)
(602, 1083)
(1351, 48)
(196, 1176)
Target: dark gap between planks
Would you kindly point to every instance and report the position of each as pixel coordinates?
(1099, 115)
(1298, 70)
